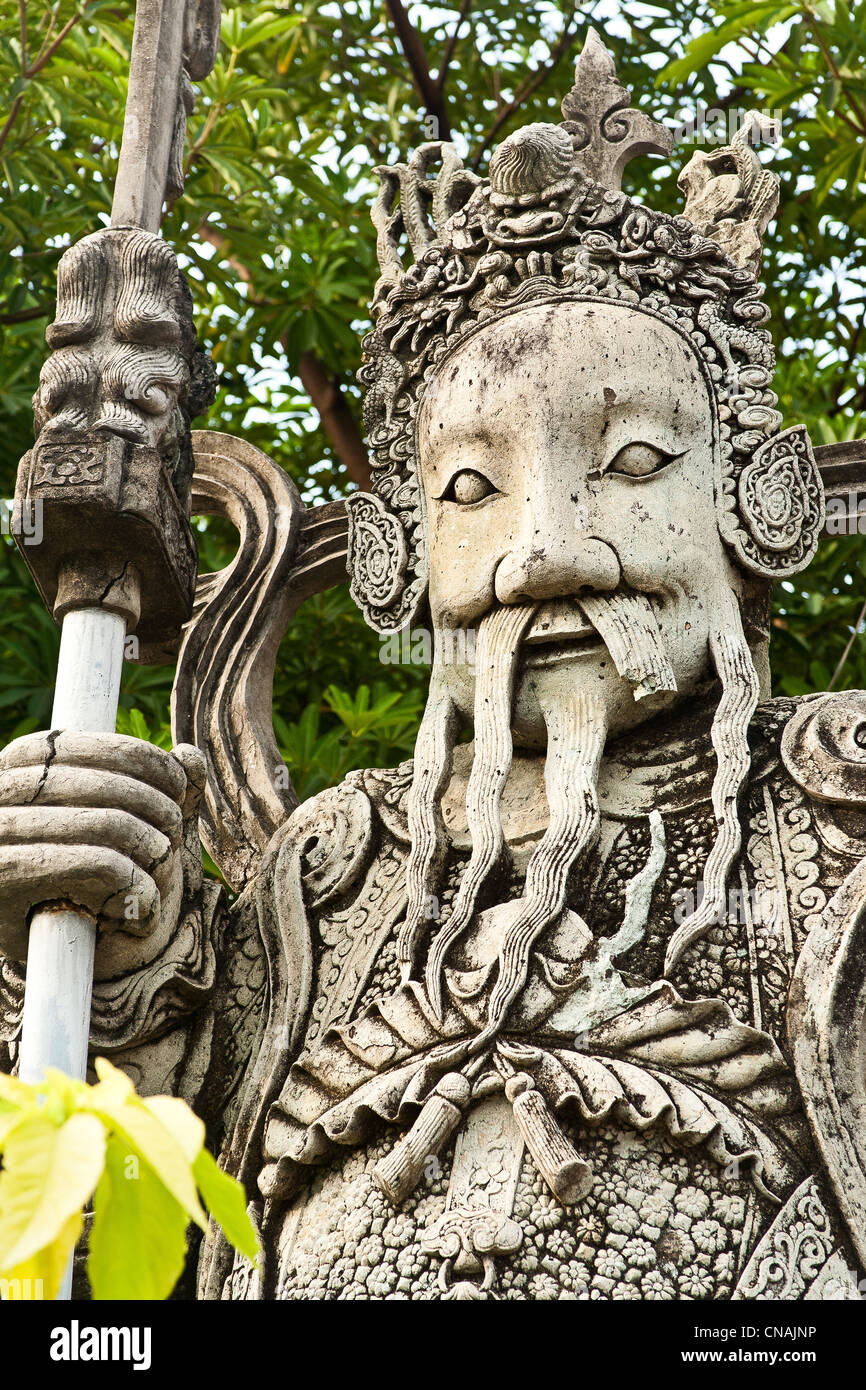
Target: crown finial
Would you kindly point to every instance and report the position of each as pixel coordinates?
(730, 196)
(607, 132)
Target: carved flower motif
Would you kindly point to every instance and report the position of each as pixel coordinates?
(623, 1218)
(328, 1250)
(370, 1250)
(655, 1286)
(610, 1264)
(696, 1282)
(410, 1262)
(381, 1281)
(707, 976)
(546, 1215)
(654, 1210)
(625, 1292)
(692, 1202)
(609, 1188)
(543, 1287)
(731, 1210)
(575, 1276)
(676, 1171)
(357, 1224)
(709, 1236)
(589, 1230)
(342, 1274)
(639, 1253)
(399, 1231)
(560, 1244)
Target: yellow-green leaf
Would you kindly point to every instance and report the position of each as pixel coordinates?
(48, 1175)
(114, 1085)
(15, 1092)
(138, 1237)
(39, 1276)
(226, 1201)
(9, 1120)
(180, 1121)
(149, 1136)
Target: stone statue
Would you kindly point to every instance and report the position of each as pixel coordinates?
(573, 1010)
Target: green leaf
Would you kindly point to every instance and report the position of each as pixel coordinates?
(44, 1270)
(142, 1129)
(49, 1172)
(226, 1201)
(181, 1123)
(138, 1238)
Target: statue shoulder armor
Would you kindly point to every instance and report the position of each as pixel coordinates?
(823, 749)
(333, 833)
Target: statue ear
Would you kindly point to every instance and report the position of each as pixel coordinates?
(377, 562)
(781, 500)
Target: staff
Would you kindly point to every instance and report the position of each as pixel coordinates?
(106, 486)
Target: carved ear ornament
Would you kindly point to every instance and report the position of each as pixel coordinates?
(378, 559)
(781, 502)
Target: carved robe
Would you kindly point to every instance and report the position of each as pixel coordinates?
(282, 1019)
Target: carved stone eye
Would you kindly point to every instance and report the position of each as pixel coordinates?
(639, 460)
(467, 487)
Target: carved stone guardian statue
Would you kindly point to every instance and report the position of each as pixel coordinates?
(575, 1009)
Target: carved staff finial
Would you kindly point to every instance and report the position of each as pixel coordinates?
(111, 466)
(607, 132)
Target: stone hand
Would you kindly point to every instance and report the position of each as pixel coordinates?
(99, 821)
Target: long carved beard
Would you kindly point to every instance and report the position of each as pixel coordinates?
(576, 729)
(730, 735)
(498, 645)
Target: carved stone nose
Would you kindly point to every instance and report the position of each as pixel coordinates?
(556, 569)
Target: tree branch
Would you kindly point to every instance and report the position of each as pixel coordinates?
(429, 91)
(220, 241)
(524, 92)
(337, 419)
(22, 20)
(844, 657)
(10, 119)
(833, 68)
(40, 311)
(448, 54)
(48, 53)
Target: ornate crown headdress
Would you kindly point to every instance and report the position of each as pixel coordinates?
(550, 222)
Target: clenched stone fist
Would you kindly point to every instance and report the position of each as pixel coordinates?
(99, 821)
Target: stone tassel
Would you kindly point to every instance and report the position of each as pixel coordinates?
(565, 1172)
(400, 1171)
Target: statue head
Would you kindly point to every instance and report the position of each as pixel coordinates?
(124, 359)
(577, 458)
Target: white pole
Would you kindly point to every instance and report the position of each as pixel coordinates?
(56, 1020)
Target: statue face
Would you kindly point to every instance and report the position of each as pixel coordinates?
(567, 449)
(121, 340)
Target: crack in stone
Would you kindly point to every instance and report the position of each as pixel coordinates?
(52, 737)
(118, 579)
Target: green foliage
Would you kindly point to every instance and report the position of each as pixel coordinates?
(144, 1164)
(274, 233)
